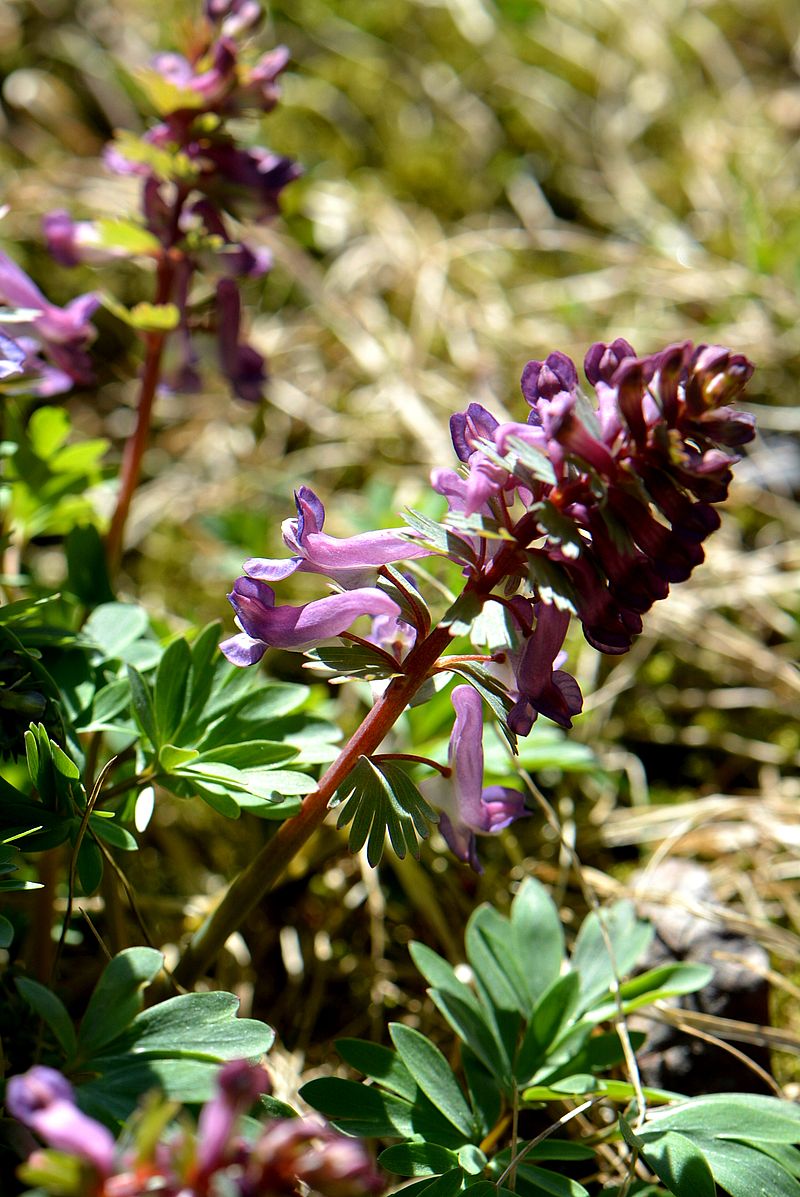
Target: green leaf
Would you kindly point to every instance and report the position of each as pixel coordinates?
(112, 627)
(126, 235)
(351, 660)
(51, 1009)
(169, 696)
(6, 932)
(171, 758)
(202, 1025)
(112, 833)
(487, 941)
(418, 1159)
(473, 1028)
(89, 865)
(668, 980)
(444, 1186)
(552, 1013)
(681, 1165)
(629, 938)
(438, 537)
(537, 938)
(434, 1076)
(751, 1117)
(251, 754)
(359, 1109)
(117, 997)
(142, 698)
(379, 1063)
(87, 573)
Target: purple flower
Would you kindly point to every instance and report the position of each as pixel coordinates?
(541, 687)
(12, 357)
(467, 809)
(234, 16)
(239, 1084)
(266, 626)
(556, 375)
(350, 561)
(310, 1151)
(242, 365)
(62, 333)
(43, 1100)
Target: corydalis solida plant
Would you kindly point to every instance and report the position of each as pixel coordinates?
(589, 510)
(197, 181)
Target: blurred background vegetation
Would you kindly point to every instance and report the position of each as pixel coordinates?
(485, 181)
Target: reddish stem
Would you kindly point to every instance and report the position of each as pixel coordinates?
(269, 864)
(137, 444)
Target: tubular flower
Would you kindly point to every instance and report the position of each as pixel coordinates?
(43, 1100)
(266, 626)
(467, 808)
(349, 562)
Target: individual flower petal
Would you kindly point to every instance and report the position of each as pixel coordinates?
(52, 323)
(43, 1100)
(268, 626)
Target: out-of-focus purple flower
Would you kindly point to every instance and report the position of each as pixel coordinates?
(467, 808)
(71, 242)
(12, 357)
(310, 1151)
(242, 365)
(43, 1100)
(266, 626)
(61, 334)
(233, 16)
(350, 561)
(251, 180)
(240, 1084)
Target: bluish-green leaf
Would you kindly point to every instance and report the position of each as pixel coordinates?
(552, 1014)
(681, 1165)
(434, 1076)
(114, 626)
(380, 1064)
(537, 938)
(90, 865)
(628, 937)
(748, 1116)
(117, 997)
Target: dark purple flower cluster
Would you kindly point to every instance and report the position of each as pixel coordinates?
(290, 1154)
(602, 505)
(197, 181)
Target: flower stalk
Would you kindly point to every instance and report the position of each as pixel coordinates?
(269, 864)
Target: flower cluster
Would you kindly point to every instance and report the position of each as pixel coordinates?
(601, 507)
(287, 1155)
(591, 509)
(197, 180)
(47, 347)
